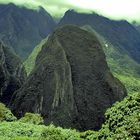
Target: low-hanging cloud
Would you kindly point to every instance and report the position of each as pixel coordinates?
(115, 9)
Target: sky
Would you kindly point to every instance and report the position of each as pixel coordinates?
(114, 9)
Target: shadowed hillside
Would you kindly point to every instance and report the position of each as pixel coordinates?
(71, 84)
(120, 34)
(12, 73)
(22, 28)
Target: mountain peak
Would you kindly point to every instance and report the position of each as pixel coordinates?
(120, 33)
(74, 83)
(22, 28)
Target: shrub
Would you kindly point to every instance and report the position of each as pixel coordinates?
(122, 120)
(89, 135)
(32, 118)
(6, 114)
(122, 123)
(18, 129)
(57, 133)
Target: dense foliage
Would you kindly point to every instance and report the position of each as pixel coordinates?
(120, 63)
(6, 114)
(18, 130)
(32, 119)
(122, 122)
(123, 119)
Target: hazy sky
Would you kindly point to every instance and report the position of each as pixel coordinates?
(116, 9)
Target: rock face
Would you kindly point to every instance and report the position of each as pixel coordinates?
(22, 29)
(71, 84)
(120, 34)
(12, 74)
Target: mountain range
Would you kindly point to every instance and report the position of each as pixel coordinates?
(21, 29)
(70, 72)
(120, 34)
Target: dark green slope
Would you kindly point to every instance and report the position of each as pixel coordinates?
(120, 34)
(122, 122)
(70, 80)
(22, 29)
(12, 73)
(121, 64)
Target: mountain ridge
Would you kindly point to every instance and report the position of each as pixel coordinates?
(120, 33)
(21, 29)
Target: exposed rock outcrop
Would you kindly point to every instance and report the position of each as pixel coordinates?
(71, 84)
(12, 74)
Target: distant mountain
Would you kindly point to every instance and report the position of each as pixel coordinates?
(12, 73)
(22, 28)
(120, 34)
(71, 84)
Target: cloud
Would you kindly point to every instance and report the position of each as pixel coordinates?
(115, 9)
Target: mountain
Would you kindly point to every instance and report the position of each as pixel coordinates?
(121, 64)
(22, 29)
(12, 74)
(120, 34)
(71, 84)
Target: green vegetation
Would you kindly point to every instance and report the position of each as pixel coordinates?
(30, 62)
(18, 130)
(121, 64)
(131, 83)
(6, 114)
(122, 122)
(122, 119)
(32, 119)
(124, 68)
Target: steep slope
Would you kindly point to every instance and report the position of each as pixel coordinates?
(12, 74)
(71, 84)
(121, 64)
(22, 28)
(30, 61)
(122, 122)
(120, 34)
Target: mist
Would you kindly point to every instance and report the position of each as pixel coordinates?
(119, 9)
